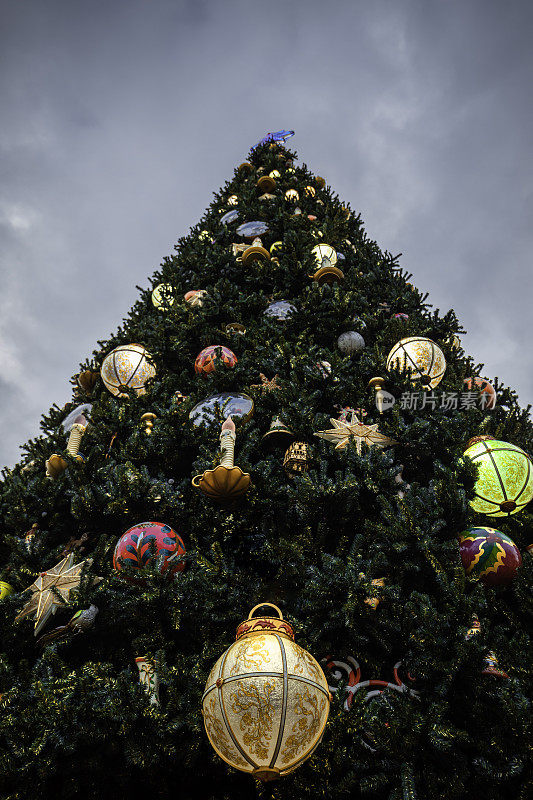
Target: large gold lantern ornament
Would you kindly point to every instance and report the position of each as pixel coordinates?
(504, 483)
(266, 701)
(422, 357)
(126, 367)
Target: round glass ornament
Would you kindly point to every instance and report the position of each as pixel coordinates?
(145, 541)
(265, 670)
(422, 357)
(210, 358)
(195, 297)
(489, 555)
(229, 217)
(505, 479)
(280, 309)
(249, 230)
(128, 366)
(350, 342)
(219, 407)
(163, 297)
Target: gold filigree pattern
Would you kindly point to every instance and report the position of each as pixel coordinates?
(309, 710)
(306, 665)
(250, 656)
(253, 704)
(218, 736)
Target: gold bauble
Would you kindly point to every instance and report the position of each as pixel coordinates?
(266, 701)
(5, 589)
(310, 191)
(292, 195)
(162, 296)
(127, 367)
(423, 357)
(232, 200)
(275, 174)
(195, 297)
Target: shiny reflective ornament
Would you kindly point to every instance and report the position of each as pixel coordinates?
(281, 309)
(229, 217)
(148, 678)
(275, 174)
(87, 380)
(350, 342)
(487, 392)
(320, 182)
(235, 327)
(127, 367)
(212, 357)
(5, 589)
(148, 540)
(266, 700)
(163, 296)
(324, 368)
(505, 478)
(325, 255)
(249, 230)
(246, 168)
(489, 555)
(292, 195)
(195, 297)
(232, 200)
(422, 357)
(218, 407)
(401, 316)
(310, 191)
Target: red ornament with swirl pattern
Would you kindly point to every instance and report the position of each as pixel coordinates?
(211, 358)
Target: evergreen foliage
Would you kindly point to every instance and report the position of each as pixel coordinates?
(74, 720)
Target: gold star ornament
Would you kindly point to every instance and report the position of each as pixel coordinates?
(51, 590)
(352, 428)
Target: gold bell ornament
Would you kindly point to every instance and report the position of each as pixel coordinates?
(226, 481)
(246, 168)
(255, 252)
(266, 700)
(87, 380)
(266, 183)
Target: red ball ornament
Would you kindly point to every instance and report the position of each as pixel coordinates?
(148, 540)
(486, 391)
(211, 357)
(489, 555)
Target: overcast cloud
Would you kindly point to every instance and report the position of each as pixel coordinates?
(120, 118)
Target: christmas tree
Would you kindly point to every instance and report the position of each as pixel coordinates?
(291, 416)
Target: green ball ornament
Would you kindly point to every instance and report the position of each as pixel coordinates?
(505, 479)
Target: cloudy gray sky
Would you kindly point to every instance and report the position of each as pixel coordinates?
(121, 117)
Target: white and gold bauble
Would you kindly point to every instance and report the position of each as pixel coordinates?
(266, 701)
(127, 367)
(162, 296)
(422, 357)
(324, 251)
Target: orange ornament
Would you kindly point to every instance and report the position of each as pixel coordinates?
(486, 390)
(212, 357)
